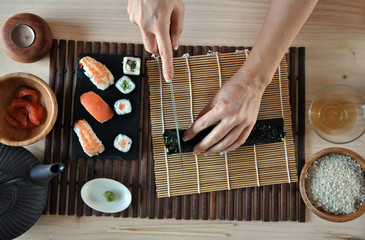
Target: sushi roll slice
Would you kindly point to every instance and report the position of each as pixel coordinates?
(98, 73)
(90, 143)
(125, 85)
(96, 106)
(123, 143)
(122, 106)
(131, 65)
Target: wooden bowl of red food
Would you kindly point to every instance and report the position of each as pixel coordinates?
(28, 109)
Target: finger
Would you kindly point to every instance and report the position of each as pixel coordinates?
(206, 120)
(218, 132)
(149, 41)
(165, 50)
(176, 27)
(227, 141)
(240, 140)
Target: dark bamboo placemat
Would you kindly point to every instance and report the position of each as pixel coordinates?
(269, 203)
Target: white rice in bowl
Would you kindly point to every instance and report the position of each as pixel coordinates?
(335, 184)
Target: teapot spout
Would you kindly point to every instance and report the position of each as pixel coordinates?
(41, 174)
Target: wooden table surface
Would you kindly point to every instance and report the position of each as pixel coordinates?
(334, 38)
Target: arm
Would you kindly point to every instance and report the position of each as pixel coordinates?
(236, 105)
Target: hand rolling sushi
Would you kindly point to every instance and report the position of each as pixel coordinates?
(122, 106)
(264, 131)
(90, 143)
(98, 73)
(96, 106)
(123, 143)
(125, 85)
(131, 65)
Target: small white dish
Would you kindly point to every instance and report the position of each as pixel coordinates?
(92, 194)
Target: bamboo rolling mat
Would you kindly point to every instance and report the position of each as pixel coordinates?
(275, 202)
(196, 80)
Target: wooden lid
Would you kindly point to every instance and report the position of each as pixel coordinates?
(41, 44)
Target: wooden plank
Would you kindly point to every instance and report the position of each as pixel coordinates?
(146, 134)
(151, 181)
(274, 203)
(248, 204)
(98, 163)
(266, 203)
(293, 201)
(301, 125)
(67, 138)
(81, 176)
(51, 81)
(81, 162)
(58, 125)
(257, 203)
(126, 165)
(239, 204)
(90, 162)
(108, 171)
(284, 202)
(118, 172)
(168, 206)
(135, 163)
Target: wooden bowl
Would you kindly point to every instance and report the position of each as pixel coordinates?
(9, 84)
(319, 213)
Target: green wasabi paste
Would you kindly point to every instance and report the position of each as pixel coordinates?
(109, 196)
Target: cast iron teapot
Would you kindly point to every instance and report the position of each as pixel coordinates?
(23, 189)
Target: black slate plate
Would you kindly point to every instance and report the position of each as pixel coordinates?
(126, 124)
(21, 204)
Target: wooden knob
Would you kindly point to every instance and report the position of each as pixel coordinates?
(26, 37)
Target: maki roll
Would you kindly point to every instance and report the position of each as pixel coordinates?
(122, 106)
(264, 131)
(98, 73)
(125, 85)
(123, 143)
(131, 65)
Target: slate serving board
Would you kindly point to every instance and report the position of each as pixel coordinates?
(126, 124)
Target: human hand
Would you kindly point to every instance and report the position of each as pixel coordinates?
(235, 108)
(161, 24)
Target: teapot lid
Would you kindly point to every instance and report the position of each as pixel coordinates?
(21, 204)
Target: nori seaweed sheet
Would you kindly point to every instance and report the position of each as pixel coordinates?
(264, 131)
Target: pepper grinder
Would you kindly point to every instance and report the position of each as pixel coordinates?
(26, 37)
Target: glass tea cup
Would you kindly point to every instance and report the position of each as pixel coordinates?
(337, 113)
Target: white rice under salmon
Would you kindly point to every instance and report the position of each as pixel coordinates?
(123, 143)
(122, 106)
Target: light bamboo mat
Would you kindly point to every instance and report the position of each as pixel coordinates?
(196, 80)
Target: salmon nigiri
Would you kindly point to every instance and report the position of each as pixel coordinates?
(98, 73)
(90, 143)
(96, 106)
